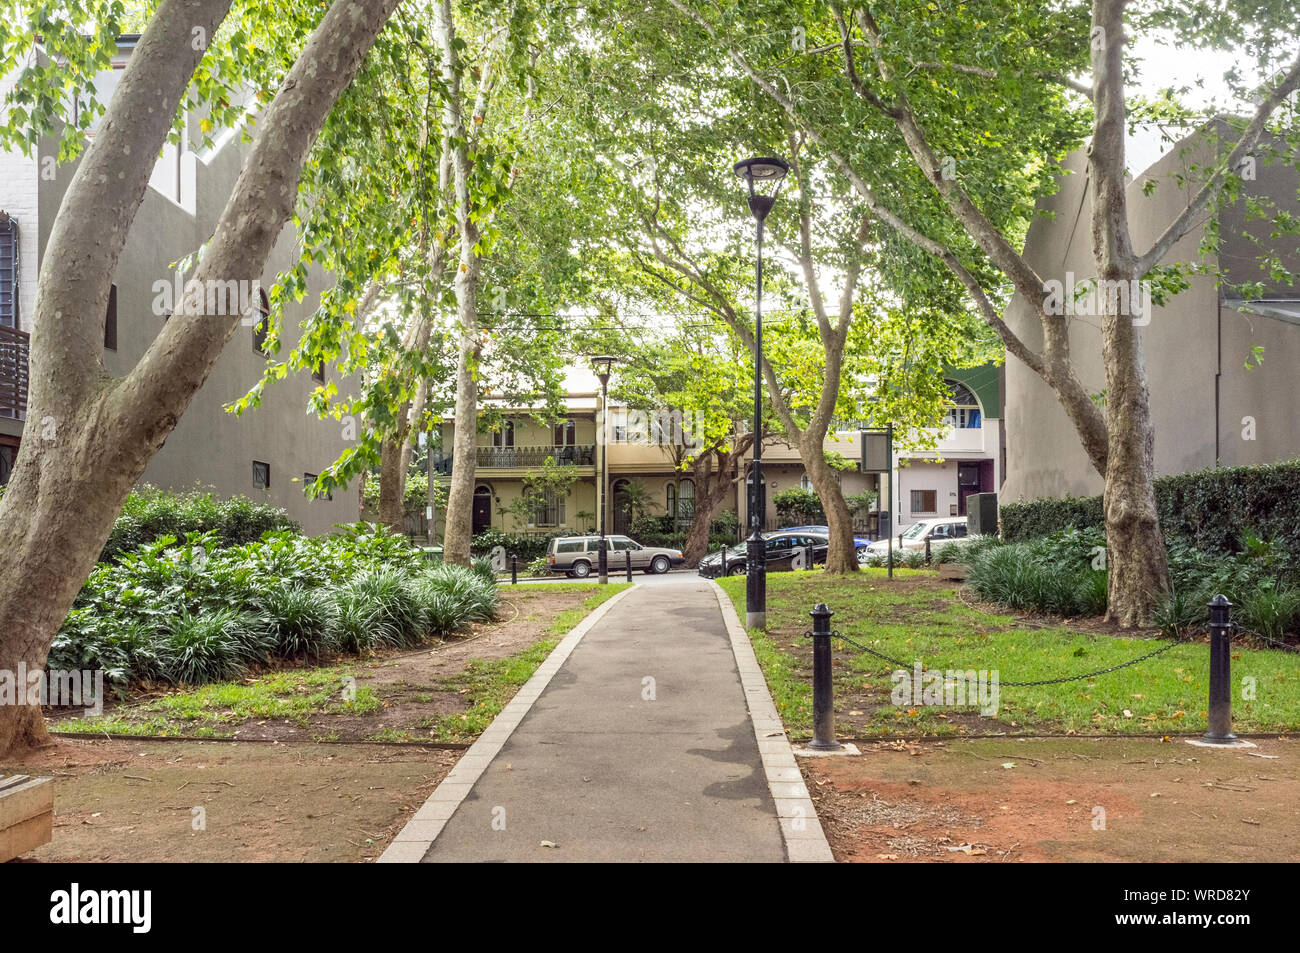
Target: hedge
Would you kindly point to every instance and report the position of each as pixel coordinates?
(1208, 509)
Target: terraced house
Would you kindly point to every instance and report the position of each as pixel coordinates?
(643, 452)
(270, 451)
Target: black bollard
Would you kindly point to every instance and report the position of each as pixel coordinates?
(514, 570)
(823, 692)
(627, 560)
(724, 561)
(1220, 721)
(927, 550)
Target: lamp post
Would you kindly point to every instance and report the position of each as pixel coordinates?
(763, 170)
(601, 363)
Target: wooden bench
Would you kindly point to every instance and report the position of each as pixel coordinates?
(26, 814)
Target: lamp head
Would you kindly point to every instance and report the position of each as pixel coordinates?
(767, 171)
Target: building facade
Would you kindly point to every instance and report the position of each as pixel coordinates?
(1215, 399)
(643, 453)
(269, 452)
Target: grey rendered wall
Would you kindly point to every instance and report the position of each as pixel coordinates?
(210, 447)
(1044, 457)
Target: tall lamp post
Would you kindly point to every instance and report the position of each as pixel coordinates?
(601, 363)
(765, 171)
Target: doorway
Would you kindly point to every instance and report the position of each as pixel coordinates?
(482, 509)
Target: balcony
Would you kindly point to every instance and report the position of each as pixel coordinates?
(13, 373)
(519, 458)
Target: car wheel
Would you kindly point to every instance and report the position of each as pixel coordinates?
(581, 569)
(659, 564)
(736, 570)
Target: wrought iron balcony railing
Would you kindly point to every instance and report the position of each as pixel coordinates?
(520, 457)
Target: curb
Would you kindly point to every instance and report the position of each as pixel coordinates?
(415, 839)
(801, 829)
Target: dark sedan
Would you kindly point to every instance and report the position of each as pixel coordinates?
(785, 551)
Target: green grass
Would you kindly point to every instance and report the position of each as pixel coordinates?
(294, 694)
(1166, 694)
(488, 685)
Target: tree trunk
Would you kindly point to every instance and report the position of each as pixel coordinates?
(1135, 550)
(460, 498)
(392, 485)
(711, 486)
(91, 436)
(841, 555)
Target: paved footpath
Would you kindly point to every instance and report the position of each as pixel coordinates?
(634, 742)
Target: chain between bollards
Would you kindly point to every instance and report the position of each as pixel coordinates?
(823, 691)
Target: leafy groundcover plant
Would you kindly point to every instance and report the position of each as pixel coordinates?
(196, 611)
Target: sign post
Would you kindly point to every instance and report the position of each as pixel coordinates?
(878, 457)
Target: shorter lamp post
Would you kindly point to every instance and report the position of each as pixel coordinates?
(602, 363)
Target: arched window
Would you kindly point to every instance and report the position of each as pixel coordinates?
(686, 505)
(964, 414)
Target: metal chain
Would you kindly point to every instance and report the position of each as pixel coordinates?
(1265, 638)
(1045, 681)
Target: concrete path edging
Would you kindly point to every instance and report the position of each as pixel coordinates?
(414, 840)
(805, 841)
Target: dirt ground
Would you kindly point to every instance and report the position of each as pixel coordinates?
(283, 798)
(231, 801)
(1059, 799)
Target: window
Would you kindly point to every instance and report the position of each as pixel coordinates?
(110, 320)
(566, 433)
(682, 504)
(261, 475)
(262, 322)
(571, 546)
(965, 412)
(924, 501)
(9, 317)
(308, 479)
(617, 425)
(549, 510)
(621, 543)
(8, 455)
(505, 437)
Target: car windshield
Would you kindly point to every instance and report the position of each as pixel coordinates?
(915, 530)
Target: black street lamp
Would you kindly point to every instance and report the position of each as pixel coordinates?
(601, 363)
(761, 170)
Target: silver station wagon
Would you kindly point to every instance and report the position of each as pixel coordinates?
(579, 555)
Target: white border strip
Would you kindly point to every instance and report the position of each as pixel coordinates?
(414, 840)
(805, 841)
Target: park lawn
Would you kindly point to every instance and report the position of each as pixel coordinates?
(918, 617)
(449, 693)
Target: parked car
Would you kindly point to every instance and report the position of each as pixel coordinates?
(937, 531)
(858, 541)
(784, 549)
(580, 555)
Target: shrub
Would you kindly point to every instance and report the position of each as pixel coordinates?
(1207, 509)
(482, 567)
(527, 548)
(1270, 608)
(798, 507)
(209, 646)
(477, 597)
(396, 610)
(1042, 576)
(150, 513)
(300, 620)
